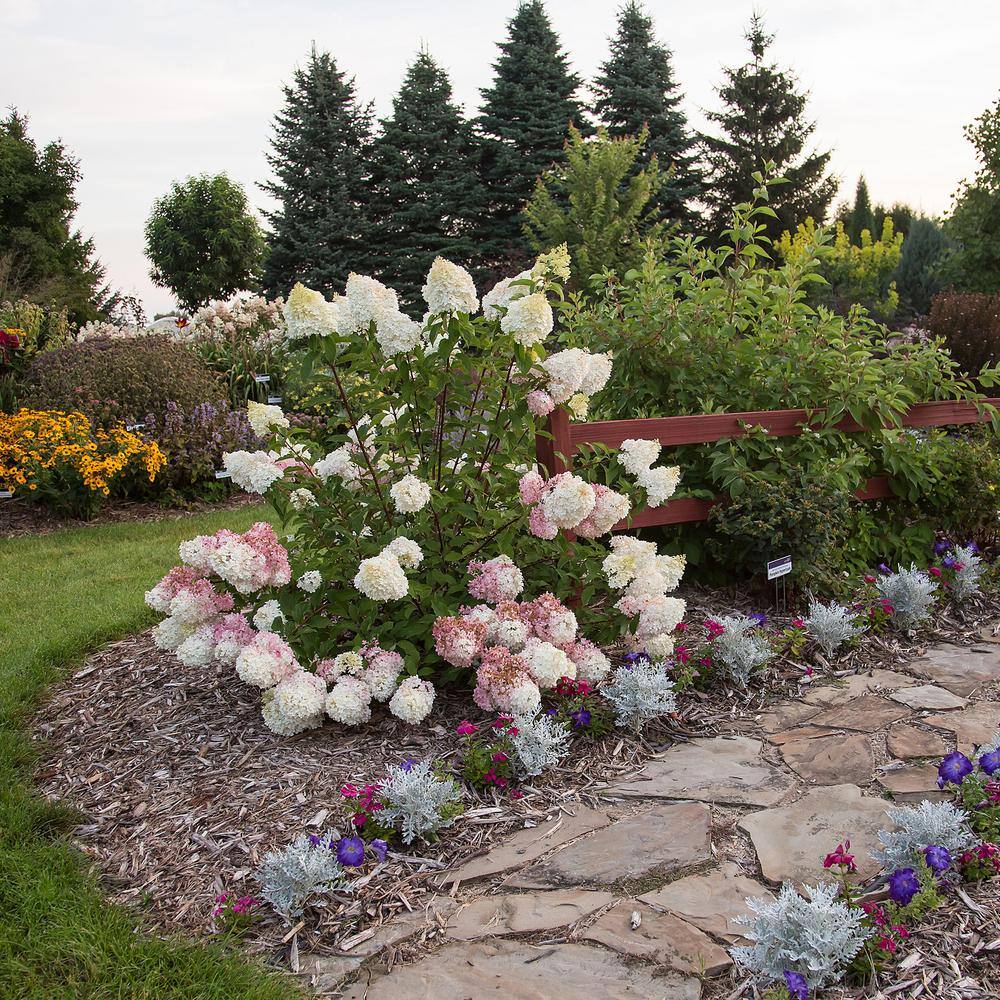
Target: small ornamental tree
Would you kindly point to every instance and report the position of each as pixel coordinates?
(425, 545)
(202, 240)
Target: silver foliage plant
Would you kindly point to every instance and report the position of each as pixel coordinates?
(911, 594)
(920, 826)
(815, 935)
(831, 625)
(540, 742)
(640, 692)
(741, 648)
(417, 801)
(966, 583)
(290, 876)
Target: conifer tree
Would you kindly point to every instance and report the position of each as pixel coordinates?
(524, 120)
(861, 216)
(426, 197)
(320, 148)
(635, 89)
(763, 121)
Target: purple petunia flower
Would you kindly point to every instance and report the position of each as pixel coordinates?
(903, 885)
(990, 762)
(351, 851)
(971, 545)
(379, 848)
(954, 769)
(407, 765)
(941, 545)
(795, 983)
(938, 858)
(758, 618)
(581, 718)
(884, 569)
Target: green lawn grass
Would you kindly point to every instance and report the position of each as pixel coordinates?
(61, 596)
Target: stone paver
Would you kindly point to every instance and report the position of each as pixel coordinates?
(972, 726)
(928, 696)
(661, 839)
(913, 783)
(517, 971)
(711, 902)
(521, 912)
(660, 937)
(960, 669)
(827, 757)
(527, 845)
(844, 690)
(867, 714)
(728, 770)
(792, 841)
(906, 742)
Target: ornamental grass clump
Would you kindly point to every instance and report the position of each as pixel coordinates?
(920, 826)
(910, 595)
(831, 625)
(418, 802)
(815, 936)
(640, 691)
(539, 742)
(740, 647)
(290, 876)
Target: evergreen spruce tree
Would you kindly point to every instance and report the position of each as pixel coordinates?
(321, 144)
(861, 216)
(426, 198)
(523, 122)
(636, 88)
(763, 122)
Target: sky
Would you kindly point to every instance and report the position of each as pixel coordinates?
(145, 93)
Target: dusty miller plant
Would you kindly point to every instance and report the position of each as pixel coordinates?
(815, 935)
(418, 802)
(639, 693)
(911, 594)
(928, 823)
(741, 648)
(306, 867)
(540, 742)
(831, 625)
(966, 581)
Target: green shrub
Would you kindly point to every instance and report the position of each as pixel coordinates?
(969, 323)
(120, 381)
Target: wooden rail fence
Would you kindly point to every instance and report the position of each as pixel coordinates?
(555, 453)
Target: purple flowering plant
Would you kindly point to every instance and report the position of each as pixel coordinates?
(233, 914)
(577, 704)
(976, 784)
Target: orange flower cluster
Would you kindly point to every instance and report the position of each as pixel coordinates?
(36, 444)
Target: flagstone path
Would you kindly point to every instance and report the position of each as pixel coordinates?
(639, 898)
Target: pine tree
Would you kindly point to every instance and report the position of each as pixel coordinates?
(861, 216)
(636, 88)
(523, 121)
(427, 198)
(320, 148)
(763, 122)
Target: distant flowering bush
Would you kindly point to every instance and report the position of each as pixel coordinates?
(421, 544)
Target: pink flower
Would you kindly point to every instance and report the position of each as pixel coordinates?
(934, 571)
(499, 758)
(798, 623)
(541, 404)
(496, 580)
(540, 526)
(458, 641)
(530, 486)
(349, 791)
(466, 728)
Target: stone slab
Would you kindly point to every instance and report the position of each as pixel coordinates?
(785, 715)
(960, 669)
(844, 690)
(527, 845)
(662, 839)
(792, 841)
(907, 742)
(726, 770)
(518, 971)
(523, 912)
(972, 726)
(867, 713)
(711, 902)
(662, 938)
(823, 757)
(928, 696)
(913, 783)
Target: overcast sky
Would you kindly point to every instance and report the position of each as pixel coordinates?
(148, 92)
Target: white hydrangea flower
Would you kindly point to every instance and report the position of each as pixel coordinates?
(263, 417)
(365, 298)
(302, 498)
(410, 494)
(265, 660)
(350, 663)
(628, 558)
(566, 371)
(554, 263)
(310, 581)
(597, 374)
(547, 663)
(591, 663)
(413, 700)
(503, 293)
(529, 319)
(449, 288)
(659, 647)
(381, 578)
(267, 614)
(307, 313)
(294, 704)
(338, 463)
(569, 501)
(382, 678)
(636, 455)
(396, 333)
(406, 551)
(349, 702)
(510, 632)
(661, 614)
(171, 632)
(198, 649)
(660, 484)
(524, 699)
(253, 471)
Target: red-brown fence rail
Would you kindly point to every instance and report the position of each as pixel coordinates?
(556, 453)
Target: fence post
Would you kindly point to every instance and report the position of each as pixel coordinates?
(555, 454)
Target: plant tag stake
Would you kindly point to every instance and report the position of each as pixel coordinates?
(261, 379)
(6, 495)
(777, 570)
(273, 399)
(222, 474)
(134, 427)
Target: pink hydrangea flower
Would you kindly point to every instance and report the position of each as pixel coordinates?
(458, 641)
(540, 526)
(496, 580)
(540, 403)
(531, 486)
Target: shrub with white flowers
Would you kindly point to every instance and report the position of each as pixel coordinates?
(419, 537)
